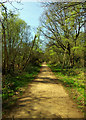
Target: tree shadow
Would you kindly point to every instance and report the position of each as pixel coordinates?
(27, 103)
(46, 80)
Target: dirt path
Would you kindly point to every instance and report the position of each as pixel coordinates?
(45, 98)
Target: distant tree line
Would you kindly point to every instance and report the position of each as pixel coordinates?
(63, 24)
(19, 48)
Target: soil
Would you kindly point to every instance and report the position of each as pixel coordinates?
(45, 97)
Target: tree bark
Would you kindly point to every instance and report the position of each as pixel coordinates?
(28, 59)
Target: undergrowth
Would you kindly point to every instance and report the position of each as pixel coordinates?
(73, 80)
(14, 85)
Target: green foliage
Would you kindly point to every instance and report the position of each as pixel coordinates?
(18, 47)
(64, 28)
(21, 55)
(13, 85)
(73, 80)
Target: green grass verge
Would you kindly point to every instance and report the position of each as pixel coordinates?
(13, 86)
(73, 81)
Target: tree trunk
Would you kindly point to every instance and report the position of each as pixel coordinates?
(5, 62)
(28, 59)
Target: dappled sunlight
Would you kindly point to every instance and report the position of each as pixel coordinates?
(45, 98)
(42, 57)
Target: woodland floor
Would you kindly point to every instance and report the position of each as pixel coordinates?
(45, 97)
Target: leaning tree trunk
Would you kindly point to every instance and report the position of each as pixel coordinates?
(28, 59)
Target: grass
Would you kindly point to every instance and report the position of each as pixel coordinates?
(73, 80)
(15, 85)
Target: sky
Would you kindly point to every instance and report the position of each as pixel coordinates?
(30, 13)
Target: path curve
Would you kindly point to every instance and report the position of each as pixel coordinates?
(45, 98)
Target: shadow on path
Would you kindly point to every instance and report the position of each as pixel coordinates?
(45, 98)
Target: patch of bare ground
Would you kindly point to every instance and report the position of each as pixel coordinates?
(45, 97)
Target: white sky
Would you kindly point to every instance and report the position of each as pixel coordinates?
(46, 0)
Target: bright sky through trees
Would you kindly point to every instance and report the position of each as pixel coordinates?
(57, 38)
(30, 13)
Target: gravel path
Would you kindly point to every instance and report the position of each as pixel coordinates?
(45, 98)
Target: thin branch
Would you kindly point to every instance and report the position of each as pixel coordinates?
(3, 2)
(14, 6)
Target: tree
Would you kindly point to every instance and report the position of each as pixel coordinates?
(62, 23)
(14, 35)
